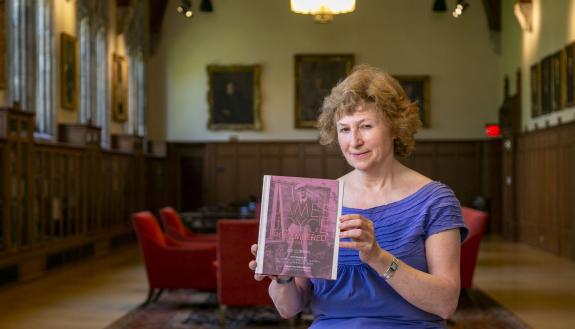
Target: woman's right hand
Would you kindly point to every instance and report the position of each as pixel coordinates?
(252, 265)
(289, 298)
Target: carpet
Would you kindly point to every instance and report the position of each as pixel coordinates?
(195, 310)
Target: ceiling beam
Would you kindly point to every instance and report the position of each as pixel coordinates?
(493, 13)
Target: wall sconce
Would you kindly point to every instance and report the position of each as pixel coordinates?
(523, 13)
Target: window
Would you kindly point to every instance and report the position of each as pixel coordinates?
(45, 93)
(31, 60)
(136, 95)
(135, 37)
(102, 100)
(92, 30)
(86, 109)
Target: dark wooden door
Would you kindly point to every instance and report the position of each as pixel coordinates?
(191, 184)
(510, 120)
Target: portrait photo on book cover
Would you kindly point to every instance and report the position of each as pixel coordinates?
(301, 227)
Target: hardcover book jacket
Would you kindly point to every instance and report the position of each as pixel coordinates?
(299, 227)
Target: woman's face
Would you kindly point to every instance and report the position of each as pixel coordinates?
(364, 137)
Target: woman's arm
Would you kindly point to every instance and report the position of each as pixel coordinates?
(435, 292)
(289, 298)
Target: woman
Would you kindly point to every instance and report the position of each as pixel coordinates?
(400, 231)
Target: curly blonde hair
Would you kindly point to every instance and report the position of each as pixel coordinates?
(367, 84)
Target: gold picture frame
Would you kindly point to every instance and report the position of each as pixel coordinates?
(535, 79)
(234, 97)
(556, 82)
(2, 45)
(68, 71)
(569, 75)
(417, 88)
(315, 76)
(119, 88)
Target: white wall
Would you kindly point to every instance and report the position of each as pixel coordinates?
(402, 37)
(553, 29)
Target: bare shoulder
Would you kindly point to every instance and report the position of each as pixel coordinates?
(413, 180)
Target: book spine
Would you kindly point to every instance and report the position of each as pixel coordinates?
(263, 224)
(336, 242)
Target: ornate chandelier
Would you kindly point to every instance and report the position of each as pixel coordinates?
(322, 10)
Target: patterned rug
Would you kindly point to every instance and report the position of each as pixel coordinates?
(194, 310)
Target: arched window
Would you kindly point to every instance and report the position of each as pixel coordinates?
(45, 75)
(31, 45)
(92, 29)
(102, 100)
(85, 64)
(136, 124)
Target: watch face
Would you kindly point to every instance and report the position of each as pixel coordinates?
(393, 266)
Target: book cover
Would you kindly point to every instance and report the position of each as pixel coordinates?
(299, 227)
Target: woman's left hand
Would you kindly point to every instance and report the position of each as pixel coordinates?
(360, 230)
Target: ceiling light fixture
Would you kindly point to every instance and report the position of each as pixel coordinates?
(185, 8)
(322, 10)
(460, 8)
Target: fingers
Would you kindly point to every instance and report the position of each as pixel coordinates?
(344, 218)
(356, 223)
(350, 245)
(252, 265)
(259, 277)
(254, 249)
(352, 234)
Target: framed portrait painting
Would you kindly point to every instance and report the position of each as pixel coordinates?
(68, 72)
(119, 88)
(569, 75)
(315, 76)
(2, 46)
(556, 79)
(546, 81)
(417, 89)
(535, 80)
(234, 97)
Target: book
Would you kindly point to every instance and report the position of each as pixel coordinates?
(299, 227)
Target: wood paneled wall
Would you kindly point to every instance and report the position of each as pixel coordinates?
(545, 185)
(231, 172)
(59, 203)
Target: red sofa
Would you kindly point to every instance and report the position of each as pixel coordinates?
(475, 221)
(171, 264)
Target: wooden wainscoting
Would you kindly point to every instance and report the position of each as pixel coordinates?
(60, 203)
(223, 173)
(545, 185)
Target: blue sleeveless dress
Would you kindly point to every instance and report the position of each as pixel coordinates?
(360, 298)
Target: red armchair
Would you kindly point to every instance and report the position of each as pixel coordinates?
(170, 264)
(236, 284)
(176, 229)
(475, 221)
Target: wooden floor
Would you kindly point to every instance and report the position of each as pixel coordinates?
(538, 287)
